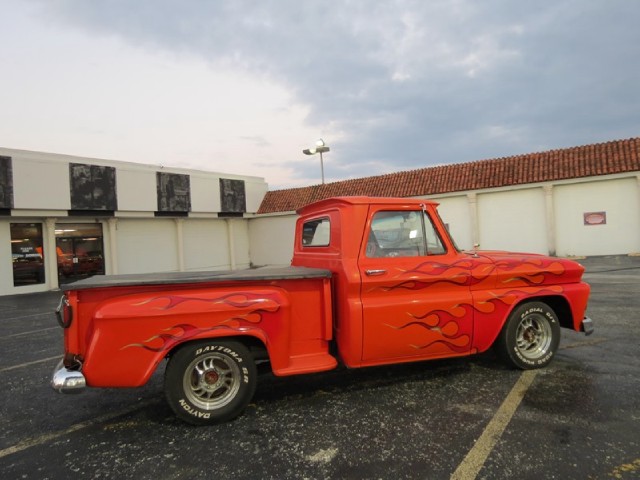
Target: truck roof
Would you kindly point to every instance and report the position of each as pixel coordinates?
(362, 200)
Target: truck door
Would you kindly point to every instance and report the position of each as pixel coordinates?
(415, 292)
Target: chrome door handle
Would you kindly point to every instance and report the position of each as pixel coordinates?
(372, 273)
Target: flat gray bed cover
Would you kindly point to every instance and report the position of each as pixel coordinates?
(166, 278)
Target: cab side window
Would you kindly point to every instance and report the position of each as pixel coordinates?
(403, 234)
(434, 242)
(396, 234)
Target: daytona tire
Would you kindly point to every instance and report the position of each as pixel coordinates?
(210, 382)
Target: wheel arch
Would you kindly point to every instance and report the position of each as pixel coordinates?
(257, 346)
(534, 344)
(560, 306)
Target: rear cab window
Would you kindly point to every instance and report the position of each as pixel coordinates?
(316, 232)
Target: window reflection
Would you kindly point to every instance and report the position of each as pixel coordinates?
(403, 234)
(27, 255)
(79, 250)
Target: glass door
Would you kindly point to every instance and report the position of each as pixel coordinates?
(79, 249)
(26, 253)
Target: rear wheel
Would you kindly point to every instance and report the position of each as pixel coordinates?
(210, 382)
(530, 337)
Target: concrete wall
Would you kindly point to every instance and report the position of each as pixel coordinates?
(513, 220)
(618, 198)
(455, 213)
(136, 190)
(39, 184)
(206, 245)
(271, 239)
(147, 245)
(239, 243)
(6, 266)
(543, 218)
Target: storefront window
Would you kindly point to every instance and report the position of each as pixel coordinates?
(26, 253)
(79, 251)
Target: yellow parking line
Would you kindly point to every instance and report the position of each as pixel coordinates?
(22, 365)
(477, 456)
(30, 332)
(586, 343)
(47, 437)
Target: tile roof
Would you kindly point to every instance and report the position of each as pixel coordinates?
(586, 161)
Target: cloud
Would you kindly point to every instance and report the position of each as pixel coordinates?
(405, 84)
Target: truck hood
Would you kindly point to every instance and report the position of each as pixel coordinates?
(526, 269)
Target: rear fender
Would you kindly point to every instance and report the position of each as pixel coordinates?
(129, 335)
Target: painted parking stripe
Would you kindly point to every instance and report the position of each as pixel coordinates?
(477, 456)
(47, 437)
(21, 334)
(28, 364)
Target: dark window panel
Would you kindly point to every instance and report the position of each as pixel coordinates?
(232, 196)
(93, 187)
(6, 183)
(174, 192)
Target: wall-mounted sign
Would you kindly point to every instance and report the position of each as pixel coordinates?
(595, 218)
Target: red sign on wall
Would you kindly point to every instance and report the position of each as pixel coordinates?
(595, 218)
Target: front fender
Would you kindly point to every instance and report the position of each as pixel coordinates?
(129, 335)
(493, 307)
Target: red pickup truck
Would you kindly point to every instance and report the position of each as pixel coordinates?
(373, 281)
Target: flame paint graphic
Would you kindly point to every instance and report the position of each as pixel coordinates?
(165, 341)
(534, 272)
(436, 268)
(441, 327)
(169, 337)
(461, 272)
(236, 300)
(525, 277)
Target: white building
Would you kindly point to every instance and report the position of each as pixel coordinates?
(580, 201)
(64, 217)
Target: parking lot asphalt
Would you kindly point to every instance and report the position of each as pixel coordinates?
(466, 418)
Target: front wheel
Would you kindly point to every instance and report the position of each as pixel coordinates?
(210, 382)
(530, 337)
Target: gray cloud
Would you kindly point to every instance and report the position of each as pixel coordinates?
(412, 83)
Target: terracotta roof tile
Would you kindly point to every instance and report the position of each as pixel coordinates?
(577, 162)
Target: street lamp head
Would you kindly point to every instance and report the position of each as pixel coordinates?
(320, 148)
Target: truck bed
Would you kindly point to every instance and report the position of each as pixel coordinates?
(166, 278)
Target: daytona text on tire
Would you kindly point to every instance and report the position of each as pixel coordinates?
(210, 381)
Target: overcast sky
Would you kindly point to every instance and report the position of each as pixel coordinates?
(242, 86)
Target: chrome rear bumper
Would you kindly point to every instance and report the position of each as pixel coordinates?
(67, 381)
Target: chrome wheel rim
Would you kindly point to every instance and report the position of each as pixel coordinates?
(534, 336)
(212, 381)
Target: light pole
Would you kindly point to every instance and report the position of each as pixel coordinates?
(319, 148)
